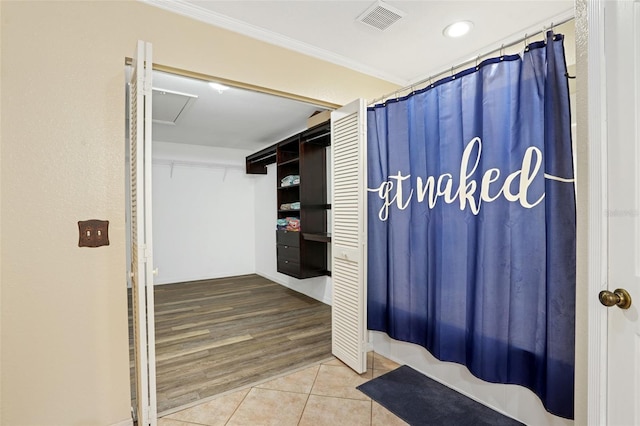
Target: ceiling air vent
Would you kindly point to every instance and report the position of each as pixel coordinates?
(380, 15)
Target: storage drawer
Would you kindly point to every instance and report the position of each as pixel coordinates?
(288, 267)
(288, 238)
(288, 253)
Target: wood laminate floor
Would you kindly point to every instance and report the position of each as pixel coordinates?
(213, 336)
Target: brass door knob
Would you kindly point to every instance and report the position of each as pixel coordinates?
(619, 297)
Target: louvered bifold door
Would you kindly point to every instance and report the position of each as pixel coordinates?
(141, 244)
(348, 235)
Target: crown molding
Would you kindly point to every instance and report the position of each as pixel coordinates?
(190, 10)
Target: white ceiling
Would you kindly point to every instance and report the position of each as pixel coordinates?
(410, 50)
(234, 118)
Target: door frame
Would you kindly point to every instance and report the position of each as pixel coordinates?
(595, 176)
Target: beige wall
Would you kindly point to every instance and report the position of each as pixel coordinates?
(64, 315)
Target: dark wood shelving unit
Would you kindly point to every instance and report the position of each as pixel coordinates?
(256, 163)
(303, 253)
(282, 188)
(324, 237)
(291, 161)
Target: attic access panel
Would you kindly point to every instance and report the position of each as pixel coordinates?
(168, 105)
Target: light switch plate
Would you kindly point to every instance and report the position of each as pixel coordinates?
(93, 233)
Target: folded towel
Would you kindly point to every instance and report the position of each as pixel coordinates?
(290, 180)
(288, 224)
(293, 224)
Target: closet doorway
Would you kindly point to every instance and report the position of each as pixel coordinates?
(224, 317)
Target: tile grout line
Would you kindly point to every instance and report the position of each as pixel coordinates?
(309, 394)
(371, 413)
(238, 406)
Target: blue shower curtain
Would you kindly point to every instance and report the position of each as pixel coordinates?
(471, 221)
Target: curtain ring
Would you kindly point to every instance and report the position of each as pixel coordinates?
(453, 77)
(526, 42)
(477, 62)
(502, 52)
(431, 81)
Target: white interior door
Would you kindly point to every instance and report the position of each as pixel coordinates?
(348, 235)
(141, 243)
(622, 47)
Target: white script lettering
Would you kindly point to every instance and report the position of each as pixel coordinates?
(395, 190)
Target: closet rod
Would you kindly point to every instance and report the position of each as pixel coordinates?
(500, 49)
(262, 157)
(317, 137)
(198, 164)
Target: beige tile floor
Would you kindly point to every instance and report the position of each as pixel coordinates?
(323, 394)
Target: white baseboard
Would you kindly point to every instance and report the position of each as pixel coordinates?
(285, 283)
(127, 422)
(187, 279)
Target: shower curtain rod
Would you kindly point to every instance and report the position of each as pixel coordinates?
(412, 87)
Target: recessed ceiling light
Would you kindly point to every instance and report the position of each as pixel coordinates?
(458, 29)
(217, 86)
